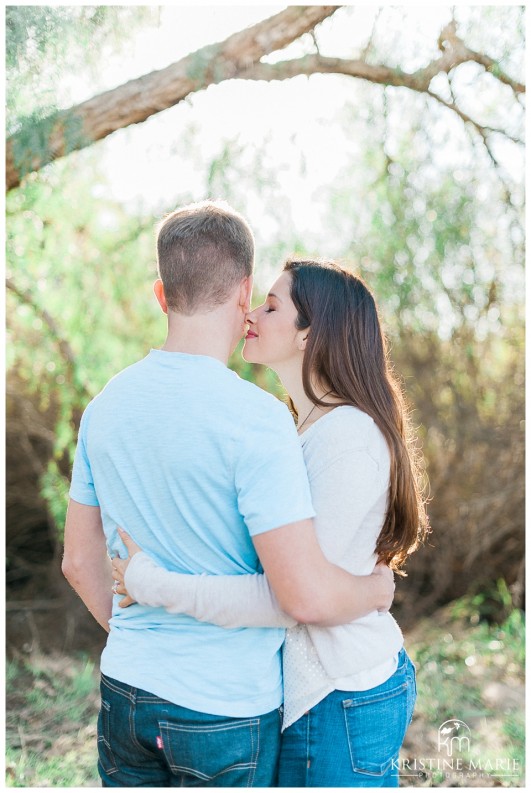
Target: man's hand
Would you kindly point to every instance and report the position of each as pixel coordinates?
(388, 586)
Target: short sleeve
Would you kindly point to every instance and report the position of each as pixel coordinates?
(82, 487)
(270, 475)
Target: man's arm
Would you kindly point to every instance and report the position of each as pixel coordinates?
(86, 565)
(311, 589)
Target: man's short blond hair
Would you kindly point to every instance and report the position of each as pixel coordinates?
(203, 250)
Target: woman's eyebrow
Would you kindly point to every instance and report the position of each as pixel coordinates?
(272, 294)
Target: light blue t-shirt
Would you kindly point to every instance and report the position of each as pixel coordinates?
(192, 461)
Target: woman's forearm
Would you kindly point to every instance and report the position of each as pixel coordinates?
(230, 601)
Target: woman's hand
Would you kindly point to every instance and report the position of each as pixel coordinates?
(119, 566)
(388, 578)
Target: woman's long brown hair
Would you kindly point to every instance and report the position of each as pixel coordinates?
(346, 354)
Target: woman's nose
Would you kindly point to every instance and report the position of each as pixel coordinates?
(251, 317)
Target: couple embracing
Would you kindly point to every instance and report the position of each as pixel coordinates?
(250, 642)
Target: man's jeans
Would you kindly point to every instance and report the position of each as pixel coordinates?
(145, 741)
(351, 739)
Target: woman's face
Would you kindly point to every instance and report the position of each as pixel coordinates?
(273, 337)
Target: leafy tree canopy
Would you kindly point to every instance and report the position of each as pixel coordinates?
(44, 44)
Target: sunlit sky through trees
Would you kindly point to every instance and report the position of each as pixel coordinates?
(151, 165)
(302, 157)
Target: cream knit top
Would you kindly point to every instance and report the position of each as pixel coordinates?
(347, 460)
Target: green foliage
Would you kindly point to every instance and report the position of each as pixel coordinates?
(450, 660)
(55, 486)
(70, 769)
(71, 699)
(423, 238)
(44, 44)
(91, 266)
(488, 605)
(51, 722)
(35, 31)
(88, 268)
(460, 659)
(514, 733)
(36, 137)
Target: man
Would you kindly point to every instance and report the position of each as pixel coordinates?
(205, 471)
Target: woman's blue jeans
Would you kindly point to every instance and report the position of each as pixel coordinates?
(145, 741)
(351, 739)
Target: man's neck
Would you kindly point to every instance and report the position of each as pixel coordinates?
(200, 334)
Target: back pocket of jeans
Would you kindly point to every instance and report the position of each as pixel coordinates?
(376, 726)
(207, 751)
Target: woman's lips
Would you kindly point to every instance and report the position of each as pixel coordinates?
(251, 335)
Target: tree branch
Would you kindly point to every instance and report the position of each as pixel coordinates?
(237, 57)
(137, 100)
(375, 73)
(67, 354)
(483, 130)
(418, 81)
(449, 37)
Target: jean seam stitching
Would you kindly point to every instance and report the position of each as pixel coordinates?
(180, 727)
(254, 757)
(105, 710)
(308, 761)
(132, 730)
(370, 700)
(120, 691)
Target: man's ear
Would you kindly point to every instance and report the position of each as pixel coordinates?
(158, 288)
(246, 291)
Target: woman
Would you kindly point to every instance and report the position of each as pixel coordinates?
(349, 690)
